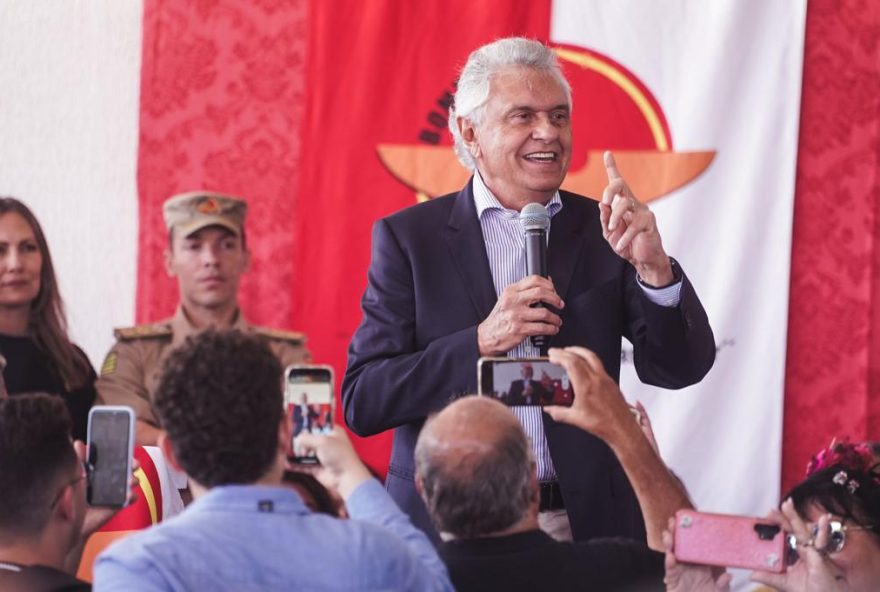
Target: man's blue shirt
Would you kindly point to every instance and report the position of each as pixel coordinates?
(243, 537)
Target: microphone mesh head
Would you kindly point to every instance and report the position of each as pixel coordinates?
(534, 217)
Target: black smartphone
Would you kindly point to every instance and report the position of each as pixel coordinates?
(524, 381)
(110, 444)
(308, 399)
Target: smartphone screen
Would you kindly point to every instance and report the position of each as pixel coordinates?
(110, 446)
(524, 381)
(308, 399)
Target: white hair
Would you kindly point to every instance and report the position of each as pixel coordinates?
(473, 84)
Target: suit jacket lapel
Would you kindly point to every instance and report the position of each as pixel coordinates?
(464, 237)
(566, 245)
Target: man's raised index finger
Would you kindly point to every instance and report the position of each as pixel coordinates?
(611, 166)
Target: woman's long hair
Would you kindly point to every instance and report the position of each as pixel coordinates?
(47, 323)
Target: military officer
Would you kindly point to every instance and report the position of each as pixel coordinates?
(207, 253)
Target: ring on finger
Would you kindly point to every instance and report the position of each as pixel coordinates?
(810, 542)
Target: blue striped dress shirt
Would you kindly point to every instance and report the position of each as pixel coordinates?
(505, 247)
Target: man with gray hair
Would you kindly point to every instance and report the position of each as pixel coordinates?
(448, 285)
(476, 473)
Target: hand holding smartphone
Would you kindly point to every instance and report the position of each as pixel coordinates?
(308, 399)
(110, 445)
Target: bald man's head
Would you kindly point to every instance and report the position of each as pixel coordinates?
(474, 467)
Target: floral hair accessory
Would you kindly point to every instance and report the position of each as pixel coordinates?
(841, 478)
(852, 457)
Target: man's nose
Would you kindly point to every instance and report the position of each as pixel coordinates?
(209, 255)
(544, 128)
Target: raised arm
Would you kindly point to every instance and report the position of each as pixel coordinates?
(599, 408)
(673, 346)
(417, 565)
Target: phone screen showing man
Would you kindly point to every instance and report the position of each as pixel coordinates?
(309, 402)
(525, 381)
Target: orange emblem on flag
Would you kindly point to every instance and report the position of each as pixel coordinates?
(613, 110)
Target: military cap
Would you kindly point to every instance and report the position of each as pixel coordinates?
(194, 210)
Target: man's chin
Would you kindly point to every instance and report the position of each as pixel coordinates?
(214, 301)
(548, 188)
(547, 182)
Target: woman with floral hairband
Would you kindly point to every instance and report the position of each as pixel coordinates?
(834, 518)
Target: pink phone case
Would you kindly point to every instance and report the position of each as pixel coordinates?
(728, 541)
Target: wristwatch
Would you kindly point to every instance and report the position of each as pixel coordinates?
(676, 277)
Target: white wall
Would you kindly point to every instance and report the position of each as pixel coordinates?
(69, 89)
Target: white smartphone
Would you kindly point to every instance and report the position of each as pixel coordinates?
(308, 399)
(110, 443)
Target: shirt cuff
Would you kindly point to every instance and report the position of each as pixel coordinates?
(666, 296)
(669, 296)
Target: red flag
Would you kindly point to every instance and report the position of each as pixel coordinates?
(379, 73)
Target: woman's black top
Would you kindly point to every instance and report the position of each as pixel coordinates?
(29, 369)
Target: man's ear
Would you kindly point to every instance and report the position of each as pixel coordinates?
(533, 485)
(420, 487)
(285, 433)
(247, 261)
(167, 448)
(66, 508)
(468, 133)
(168, 257)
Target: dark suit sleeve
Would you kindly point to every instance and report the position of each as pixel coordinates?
(544, 394)
(392, 379)
(673, 347)
(514, 396)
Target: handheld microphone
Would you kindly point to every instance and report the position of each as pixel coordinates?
(535, 222)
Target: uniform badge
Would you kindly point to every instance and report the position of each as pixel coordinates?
(109, 365)
(209, 206)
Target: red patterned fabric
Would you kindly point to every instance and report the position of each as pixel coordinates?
(377, 74)
(833, 365)
(222, 94)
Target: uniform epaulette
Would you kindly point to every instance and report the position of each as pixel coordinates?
(295, 337)
(150, 331)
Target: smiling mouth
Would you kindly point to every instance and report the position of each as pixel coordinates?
(15, 284)
(541, 157)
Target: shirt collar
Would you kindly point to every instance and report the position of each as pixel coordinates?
(511, 543)
(182, 327)
(485, 200)
(252, 498)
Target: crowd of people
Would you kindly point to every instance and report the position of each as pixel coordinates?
(480, 495)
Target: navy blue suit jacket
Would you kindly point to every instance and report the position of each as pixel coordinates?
(416, 348)
(539, 393)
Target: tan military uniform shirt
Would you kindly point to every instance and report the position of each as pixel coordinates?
(130, 372)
